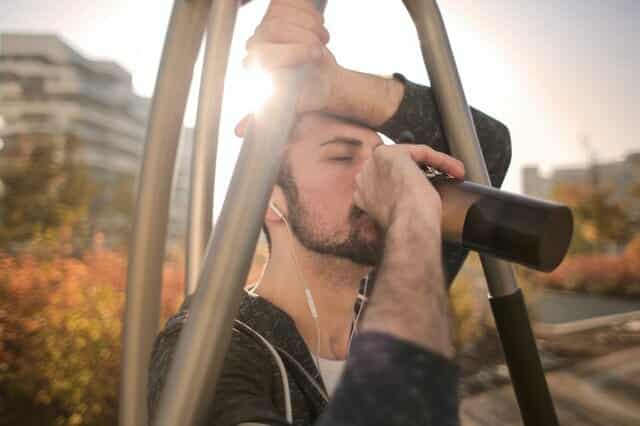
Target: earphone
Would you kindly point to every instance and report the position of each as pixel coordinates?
(362, 294)
(361, 299)
(277, 211)
(307, 291)
(310, 302)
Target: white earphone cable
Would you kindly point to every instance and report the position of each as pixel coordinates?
(307, 291)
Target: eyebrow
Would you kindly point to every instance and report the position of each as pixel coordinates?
(344, 141)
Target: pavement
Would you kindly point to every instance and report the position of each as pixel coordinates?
(600, 390)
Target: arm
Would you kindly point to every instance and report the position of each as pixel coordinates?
(394, 106)
(394, 382)
(403, 358)
(417, 112)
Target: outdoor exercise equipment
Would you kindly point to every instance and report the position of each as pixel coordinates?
(218, 261)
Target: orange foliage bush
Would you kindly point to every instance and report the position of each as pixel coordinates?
(599, 273)
(60, 325)
(632, 256)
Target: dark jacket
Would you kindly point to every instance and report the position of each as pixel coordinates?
(418, 386)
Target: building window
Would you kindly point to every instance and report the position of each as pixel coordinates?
(33, 88)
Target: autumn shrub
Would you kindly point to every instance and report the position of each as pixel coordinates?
(60, 325)
(598, 273)
(631, 257)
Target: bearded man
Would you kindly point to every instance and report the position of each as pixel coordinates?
(345, 205)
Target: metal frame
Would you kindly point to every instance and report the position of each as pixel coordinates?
(220, 270)
(205, 145)
(146, 252)
(456, 119)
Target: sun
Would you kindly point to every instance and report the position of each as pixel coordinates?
(256, 87)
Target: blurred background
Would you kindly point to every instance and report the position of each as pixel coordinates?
(76, 78)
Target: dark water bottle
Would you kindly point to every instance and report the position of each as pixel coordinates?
(520, 229)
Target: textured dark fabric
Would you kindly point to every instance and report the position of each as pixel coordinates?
(405, 385)
(393, 382)
(418, 117)
(250, 386)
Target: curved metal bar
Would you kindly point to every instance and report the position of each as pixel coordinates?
(534, 400)
(222, 19)
(147, 247)
(456, 118)
(205, 338)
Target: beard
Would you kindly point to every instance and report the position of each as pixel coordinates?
(362, 245)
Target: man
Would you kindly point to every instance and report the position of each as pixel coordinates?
(345, 204)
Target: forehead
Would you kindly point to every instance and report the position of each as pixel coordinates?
(313, 130)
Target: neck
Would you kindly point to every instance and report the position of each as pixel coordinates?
(334, 284)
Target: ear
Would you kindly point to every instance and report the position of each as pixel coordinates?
(278, 199)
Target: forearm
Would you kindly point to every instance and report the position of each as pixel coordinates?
(418, 114)
(368, 99)
(395, 105)
(394, 382)
(410, 299)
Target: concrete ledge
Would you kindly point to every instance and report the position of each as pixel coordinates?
(549, 330)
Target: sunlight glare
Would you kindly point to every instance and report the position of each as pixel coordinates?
(256, 88)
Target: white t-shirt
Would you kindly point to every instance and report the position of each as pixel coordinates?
(331, 371)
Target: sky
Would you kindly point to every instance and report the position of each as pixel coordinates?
(557, 73)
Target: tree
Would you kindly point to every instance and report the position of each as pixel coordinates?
(52, 194)
(45, 194)
(598, 219)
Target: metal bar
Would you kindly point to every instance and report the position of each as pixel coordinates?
(205, 338)
(517, 339)
(222, 19)
(521, 354)
(456, 117)
(146, 252)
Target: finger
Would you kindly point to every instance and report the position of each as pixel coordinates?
(288, 16)
(242, 126)
(269, 56)
(281, 31)
(437, 159)
(305, 9)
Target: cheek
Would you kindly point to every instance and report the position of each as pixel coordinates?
(328, 204)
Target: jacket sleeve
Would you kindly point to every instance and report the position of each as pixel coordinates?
(418, 115)
(244, 389)
(394, 382)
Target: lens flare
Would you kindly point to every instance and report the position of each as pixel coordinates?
(257, 88)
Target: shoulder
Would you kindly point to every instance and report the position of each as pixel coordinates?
(247, 364)
(243, 344)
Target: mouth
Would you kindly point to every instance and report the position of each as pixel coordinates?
(361, 219)
(356, 213)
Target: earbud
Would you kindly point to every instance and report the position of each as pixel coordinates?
(307, 291)
(276, 210)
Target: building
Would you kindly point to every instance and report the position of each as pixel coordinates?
(178, 213)
(621, 178)
(47, 87)
(51, 94)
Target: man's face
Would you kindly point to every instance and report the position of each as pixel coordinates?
(323, 158)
